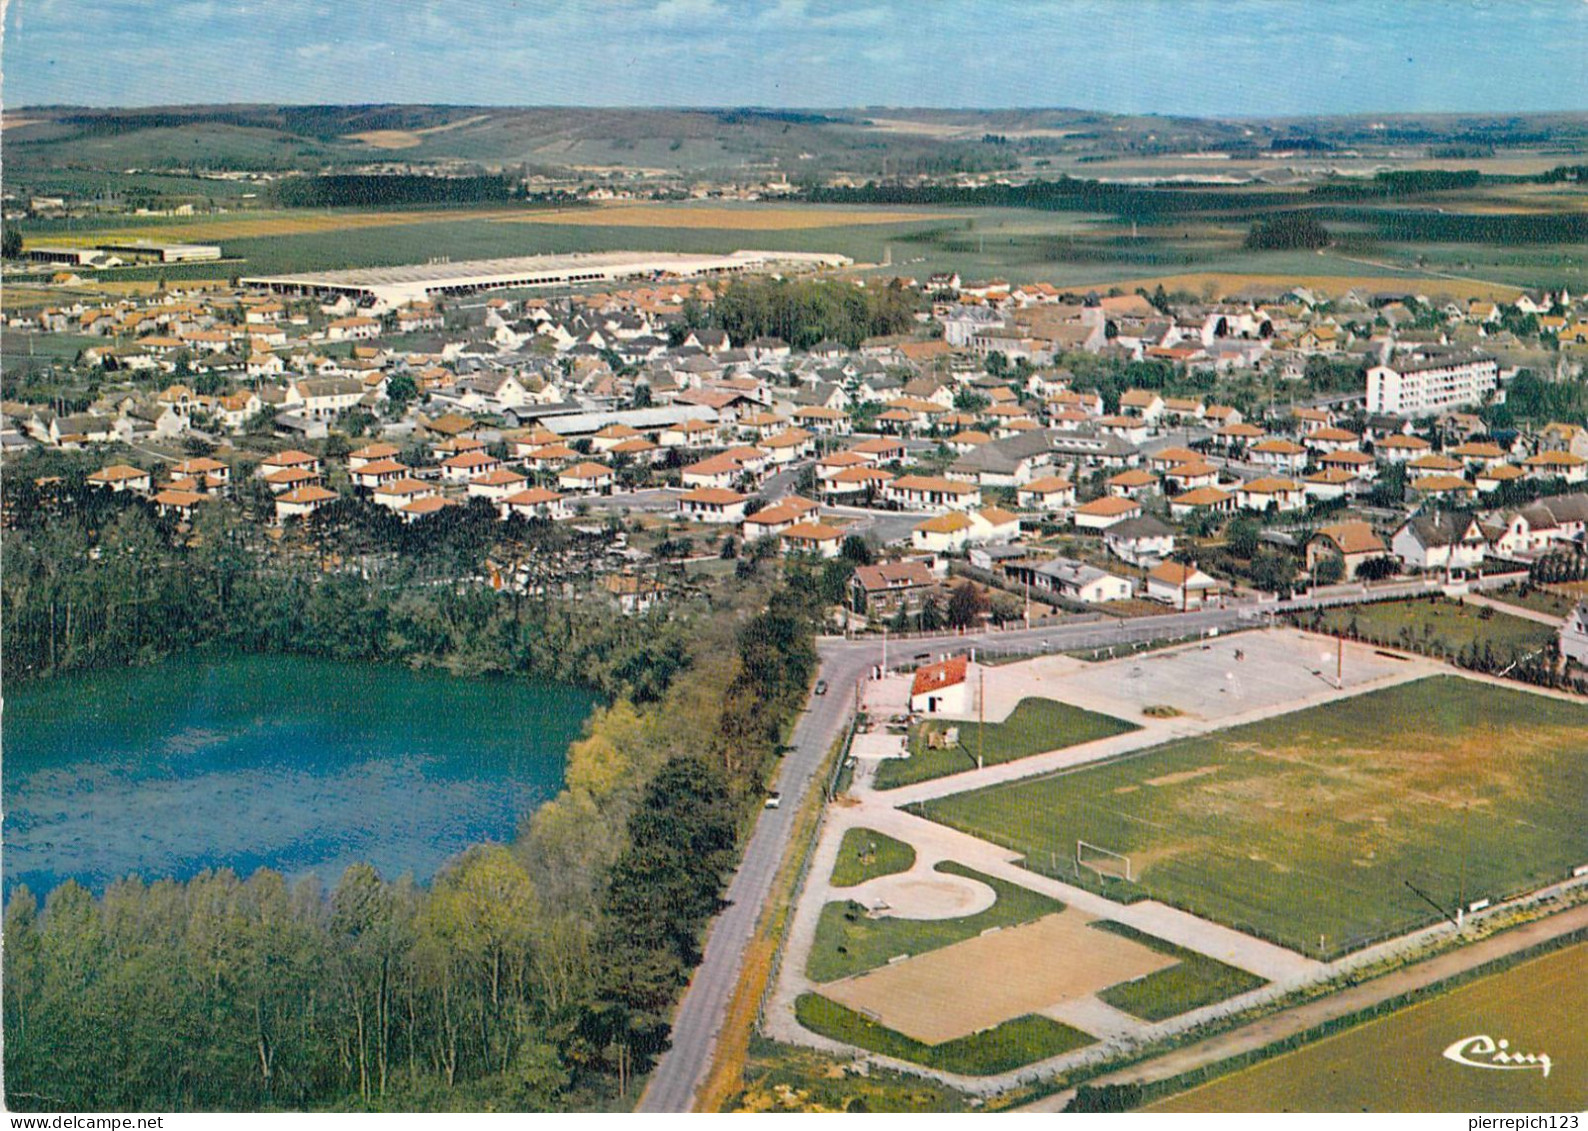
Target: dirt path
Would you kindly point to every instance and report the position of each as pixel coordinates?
(1304, 1017)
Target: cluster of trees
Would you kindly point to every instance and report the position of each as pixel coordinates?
(805, 311)
(1288, 231)
(1529, 397)
(1558, 567)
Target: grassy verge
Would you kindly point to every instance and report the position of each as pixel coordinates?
(1197, 981)
(866, 854)
(1014, 1044)
(1434, 627)
(1035, 726)
(848, 942)
(789, 1078)
(727, 1074)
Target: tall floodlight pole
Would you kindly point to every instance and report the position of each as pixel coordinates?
(981, 718)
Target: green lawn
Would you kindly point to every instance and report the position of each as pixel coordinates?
(1197, 981)
(1014, 1044)
(1439, 627)
(847, 942)
(866, 854)
(1551, 602)
(1313, 824)
(1035, 726)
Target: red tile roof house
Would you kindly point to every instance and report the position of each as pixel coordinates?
(586, 478)
(941, 688)
(537, 502)
(880, 590)
(712, 504)
(121, 477)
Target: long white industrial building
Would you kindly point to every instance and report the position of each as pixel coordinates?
(418, 282)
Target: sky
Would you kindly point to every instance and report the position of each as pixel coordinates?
(1192, 57)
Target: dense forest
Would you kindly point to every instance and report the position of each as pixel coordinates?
(532, 976)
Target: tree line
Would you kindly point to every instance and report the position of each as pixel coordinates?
(385, 190)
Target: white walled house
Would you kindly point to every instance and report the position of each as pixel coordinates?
(1440, 540)
(942, 688)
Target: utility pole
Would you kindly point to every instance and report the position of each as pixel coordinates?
(1339, 663)
(1461, 898)
(981, 718)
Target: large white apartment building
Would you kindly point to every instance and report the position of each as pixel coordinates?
(1430, 383)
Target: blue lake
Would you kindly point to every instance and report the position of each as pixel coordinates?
(284, 762)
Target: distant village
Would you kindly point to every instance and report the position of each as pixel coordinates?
(1095, 450)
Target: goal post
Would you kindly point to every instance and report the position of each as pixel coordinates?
(1107, 863)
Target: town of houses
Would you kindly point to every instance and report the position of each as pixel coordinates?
(976, 445)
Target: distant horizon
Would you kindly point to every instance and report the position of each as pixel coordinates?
(1233, 60)
(710, 108)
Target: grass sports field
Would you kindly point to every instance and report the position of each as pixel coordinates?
(1033, 727)
(1456, 786)
(1398, 1062)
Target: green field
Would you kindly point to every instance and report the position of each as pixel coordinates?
(1197, 981)
(1396, 1063)
(1459, 787)
(1035, 726)
(1439, 627)
(1014, 1044)
(847, 942)
(866, 854)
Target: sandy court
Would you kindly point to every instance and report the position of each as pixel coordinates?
(1202, 681)
(985, 981)
(933, 895)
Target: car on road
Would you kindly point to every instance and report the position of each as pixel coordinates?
(821, 687)
(773, 800)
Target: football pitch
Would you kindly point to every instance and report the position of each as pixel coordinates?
(1328, 828)
(1400, 1062)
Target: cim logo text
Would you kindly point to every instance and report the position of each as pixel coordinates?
(1483, 1051)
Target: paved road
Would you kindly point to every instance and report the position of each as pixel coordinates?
(705, 1003)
